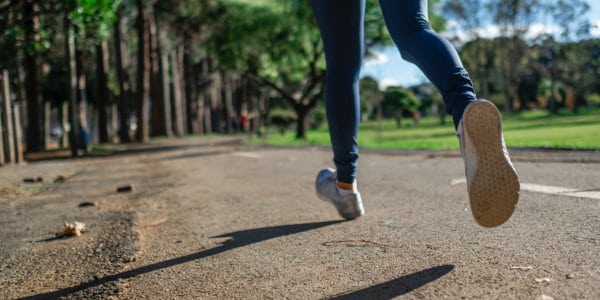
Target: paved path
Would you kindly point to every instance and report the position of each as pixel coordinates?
(211, 219)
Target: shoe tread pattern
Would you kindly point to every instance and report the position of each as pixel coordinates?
(494, 190)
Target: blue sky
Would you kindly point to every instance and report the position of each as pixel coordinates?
(390, 69)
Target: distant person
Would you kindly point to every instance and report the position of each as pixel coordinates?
(492, 181)
(416, 117)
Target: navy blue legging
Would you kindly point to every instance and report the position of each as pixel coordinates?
(341, 23)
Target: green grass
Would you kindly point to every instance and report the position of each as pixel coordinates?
(538, 129)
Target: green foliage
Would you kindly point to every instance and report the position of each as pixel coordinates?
(594, 100)
(437, 21)
(278, 39)
(273, 41)
(282, 120)
(370, 96)
(318, 118)
(400, 99)
(376, 34)
(93, 19)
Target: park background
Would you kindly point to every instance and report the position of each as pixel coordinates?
(88, 76)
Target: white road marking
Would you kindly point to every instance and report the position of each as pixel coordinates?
(585, 194)
(547, 189)
(458, 181)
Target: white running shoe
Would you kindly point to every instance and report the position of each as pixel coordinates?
(492, 181)
(348, 203)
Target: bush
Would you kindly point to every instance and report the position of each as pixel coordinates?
(282, 120)
(318, 118)
(593, 100)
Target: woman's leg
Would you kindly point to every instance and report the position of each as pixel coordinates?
(492, 181)
(342, 32)
(408, 24)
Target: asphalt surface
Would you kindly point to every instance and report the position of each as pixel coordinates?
(208, 218)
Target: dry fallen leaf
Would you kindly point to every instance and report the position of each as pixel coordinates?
(72, 229)
(542, 280)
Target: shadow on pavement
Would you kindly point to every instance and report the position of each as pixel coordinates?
(111, 150)
(398, 286)
(238, 239)
(195, 155)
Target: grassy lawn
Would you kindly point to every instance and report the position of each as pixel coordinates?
(539, 129)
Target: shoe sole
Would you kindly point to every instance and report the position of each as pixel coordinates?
(359, 212)
(494, 190)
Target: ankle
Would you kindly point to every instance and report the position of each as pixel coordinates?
(345, 187)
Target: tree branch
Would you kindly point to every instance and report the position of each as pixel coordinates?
(315, 77)
(285, 95)
(315, 98)
(314, 82)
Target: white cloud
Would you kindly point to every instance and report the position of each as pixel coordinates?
(493, 31)
(378, 59)
(538, 28)
(490, 31)
(595, 28)
(384, 83)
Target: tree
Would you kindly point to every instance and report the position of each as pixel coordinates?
(143, 73)
(579, 69)
(478, 57)
(476, 53)
(122, 64)
(400, 100)
(514, 19)
(31, 28)
(92, 21)
(159, 117)
(72, 87)
(284, 52)
(370, 98)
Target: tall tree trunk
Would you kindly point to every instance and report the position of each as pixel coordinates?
(81, 91)
(72, 90)
(3, 145)
(167, 115)
(64, 123)
(212, 95)
(143, 75)
(263, 112)
(35, 141)
(114, 122)
(158, 125)
(17, 133)
(301, 123)
(102, 90)
(190, 106)
(123, 79)
(46, 121)
(202, 95)
(7, 139)
(228, 97)
(178, 97)
(181, 75)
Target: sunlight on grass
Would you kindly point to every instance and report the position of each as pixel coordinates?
(537, 129)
